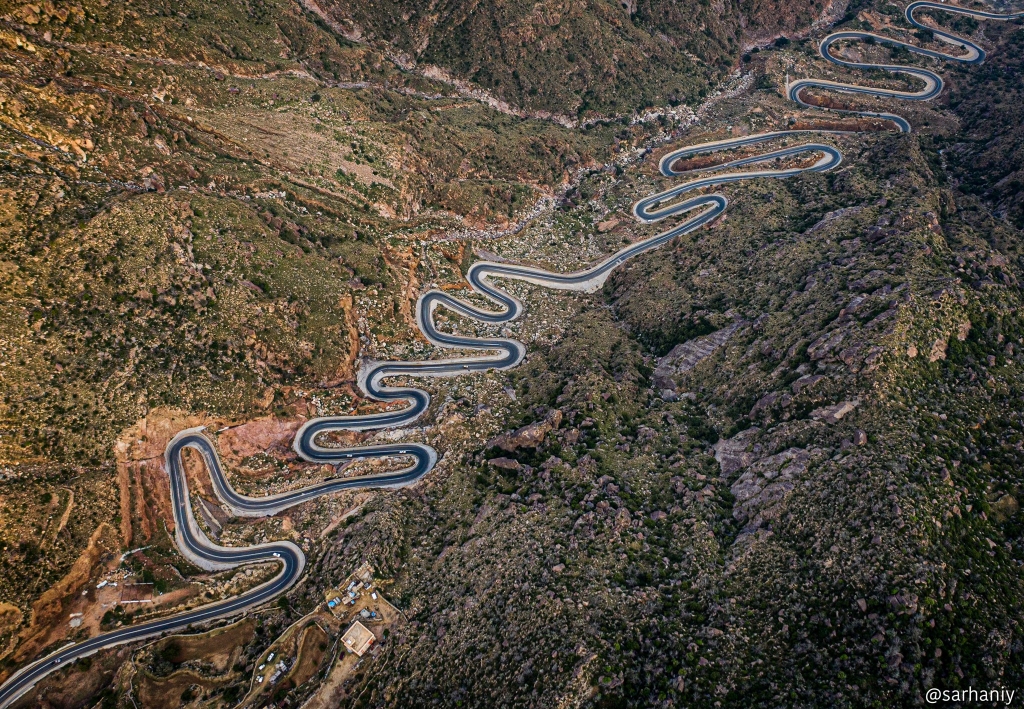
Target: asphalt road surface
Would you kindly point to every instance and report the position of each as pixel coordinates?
(970, 53)
(502, 353)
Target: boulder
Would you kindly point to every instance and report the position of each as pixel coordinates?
(834, 413)
(529, 436)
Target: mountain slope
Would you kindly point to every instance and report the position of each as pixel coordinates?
(573, 58)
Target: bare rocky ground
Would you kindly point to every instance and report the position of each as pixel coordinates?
(775, 463)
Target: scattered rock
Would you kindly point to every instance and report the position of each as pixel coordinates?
(834, 413)
(622, 519)
(806, 382)
(529, 436)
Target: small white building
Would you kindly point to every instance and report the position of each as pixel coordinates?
(358, 638)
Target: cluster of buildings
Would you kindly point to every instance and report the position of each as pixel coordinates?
(341, 602)
(336, 599)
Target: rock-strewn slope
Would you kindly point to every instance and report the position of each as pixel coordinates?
(776, 463)
(572, 59)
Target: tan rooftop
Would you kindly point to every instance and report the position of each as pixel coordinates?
(358, 638)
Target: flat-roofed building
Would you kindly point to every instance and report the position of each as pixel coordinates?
(358, 638)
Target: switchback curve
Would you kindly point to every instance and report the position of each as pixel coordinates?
(933, 84)
(504, 353)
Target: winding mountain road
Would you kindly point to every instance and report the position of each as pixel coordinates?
(503, 353)
(933, 84)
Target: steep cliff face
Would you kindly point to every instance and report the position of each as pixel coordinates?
(574, 58)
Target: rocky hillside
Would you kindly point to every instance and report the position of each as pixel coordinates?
(775, 463)
(574, 59)
(193, 219)
(781, 470)
(988, 156)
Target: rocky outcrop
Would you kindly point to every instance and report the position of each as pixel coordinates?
(257, 436)
(835, 412)
(687, 355)
(765, 484)
(763, 488)
(806, 382)
(764, 481)
(529, 436)
(737, 452)
(835, 216)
